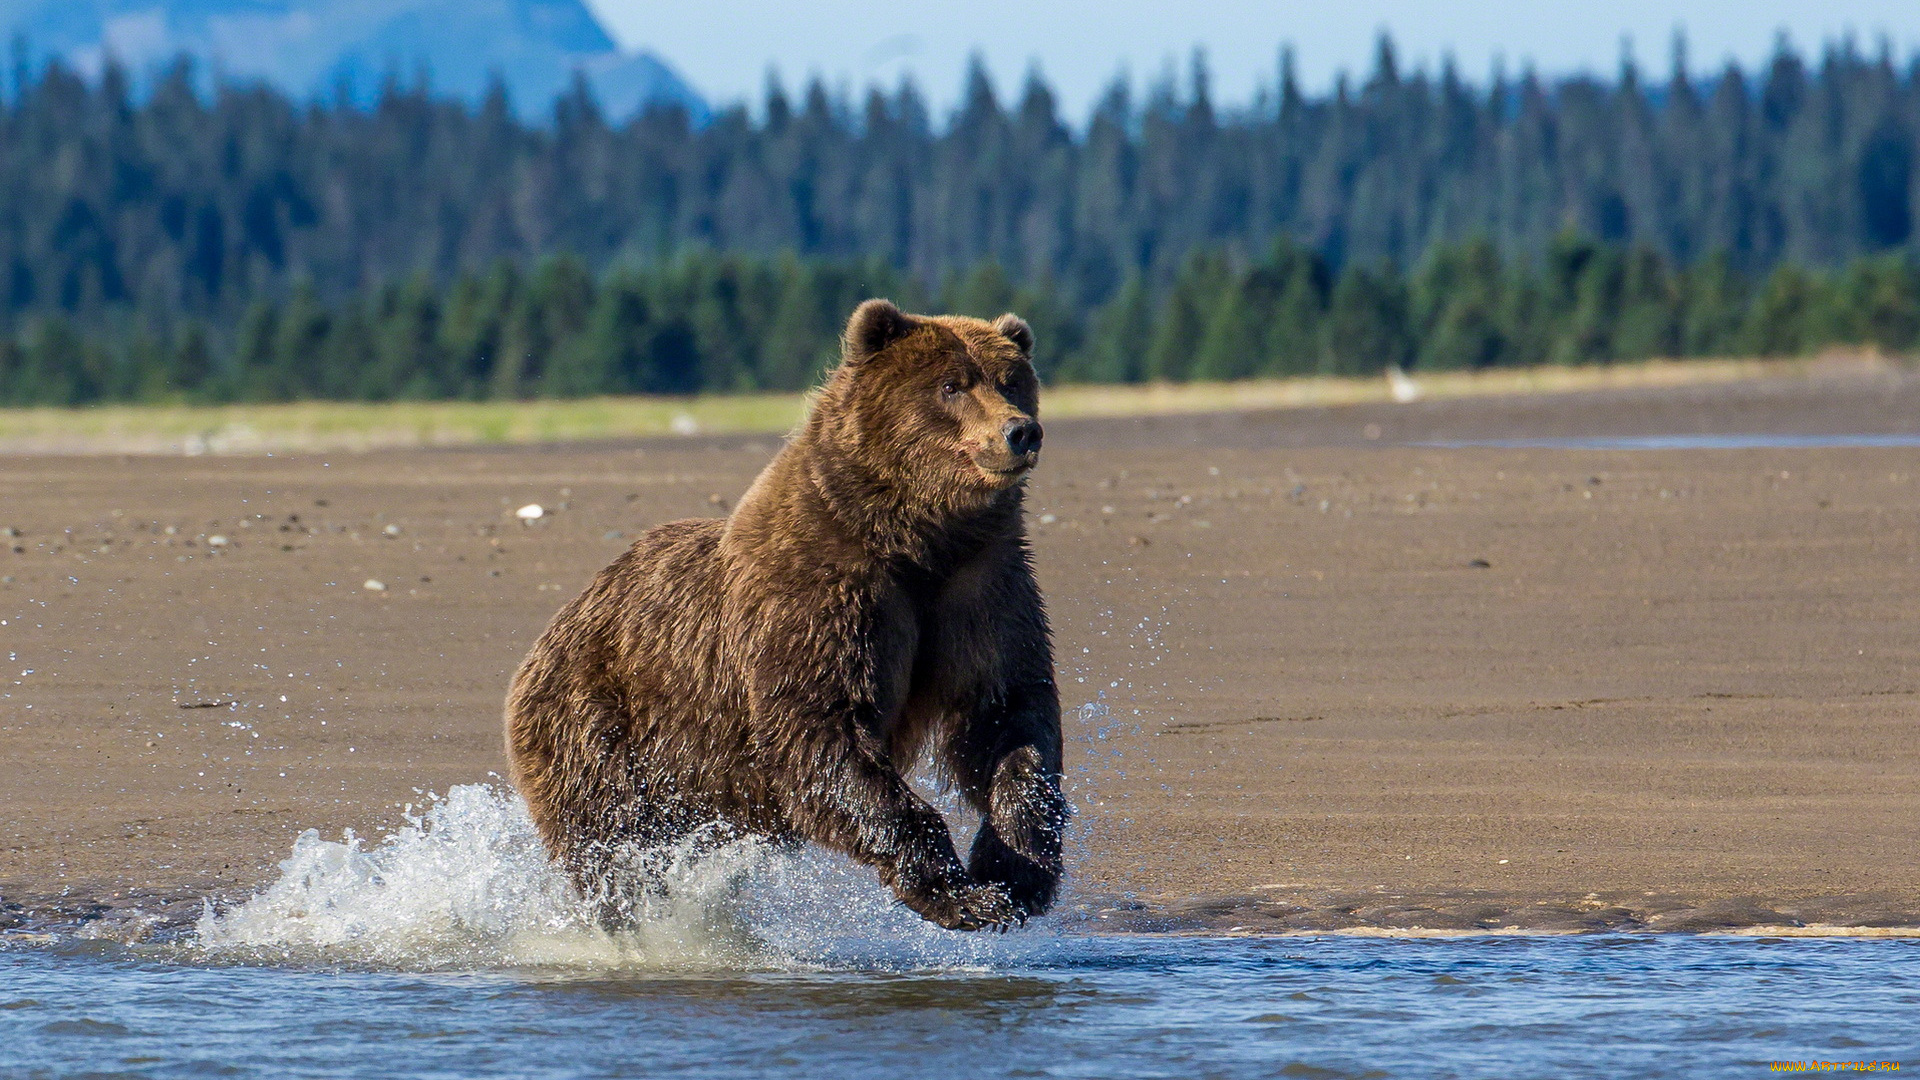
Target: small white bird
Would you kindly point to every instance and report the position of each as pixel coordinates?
(1404, 390)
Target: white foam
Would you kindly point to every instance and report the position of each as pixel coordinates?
(467, 884)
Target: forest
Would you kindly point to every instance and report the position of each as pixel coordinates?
(244, 246)
(710, 322)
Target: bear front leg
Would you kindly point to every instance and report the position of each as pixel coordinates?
(926, 874)
(1024, 813)
(1019, 842)
(823, 763)
(863, 807)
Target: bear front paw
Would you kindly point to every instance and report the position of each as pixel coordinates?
(1029, 884)
(965, 907)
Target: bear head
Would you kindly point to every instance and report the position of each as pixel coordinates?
(945, 406)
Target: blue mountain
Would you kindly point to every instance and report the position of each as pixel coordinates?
(310, 48)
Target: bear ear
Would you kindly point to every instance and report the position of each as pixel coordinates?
(1015, 329)
(875, 325)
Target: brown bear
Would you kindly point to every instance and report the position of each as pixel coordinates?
(776, 673)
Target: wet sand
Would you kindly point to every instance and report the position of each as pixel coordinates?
(1339, 680)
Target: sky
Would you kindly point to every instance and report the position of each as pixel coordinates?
(726, 47)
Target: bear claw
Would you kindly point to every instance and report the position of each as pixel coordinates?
(971, 907)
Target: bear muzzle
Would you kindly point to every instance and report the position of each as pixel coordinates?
(1008, 459)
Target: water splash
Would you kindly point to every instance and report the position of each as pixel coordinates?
(1102, 746)
(467, 884)
(466, 877)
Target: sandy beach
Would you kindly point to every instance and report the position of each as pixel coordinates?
(1327, 668)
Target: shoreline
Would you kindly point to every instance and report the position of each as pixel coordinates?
(358, 427)
(1400, 915)
(130, 919)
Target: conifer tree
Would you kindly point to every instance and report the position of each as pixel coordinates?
(1456, 302)
(1293, 333)
(1780, 320)
(1713, 301)
(1366, 327)
(1116, 340)
(1182, 320)
(1233, 345)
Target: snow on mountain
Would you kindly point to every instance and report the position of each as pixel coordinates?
(312, 47)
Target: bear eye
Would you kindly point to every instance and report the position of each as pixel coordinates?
(950, 388)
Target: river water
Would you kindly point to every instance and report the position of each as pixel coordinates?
(1037, 1005)
(449, 949)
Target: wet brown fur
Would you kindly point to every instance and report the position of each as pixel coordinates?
(870, 599)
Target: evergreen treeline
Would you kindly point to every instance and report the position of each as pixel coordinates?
(711, 322)
(126, 214)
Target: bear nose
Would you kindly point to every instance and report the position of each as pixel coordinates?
(1022, 435)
